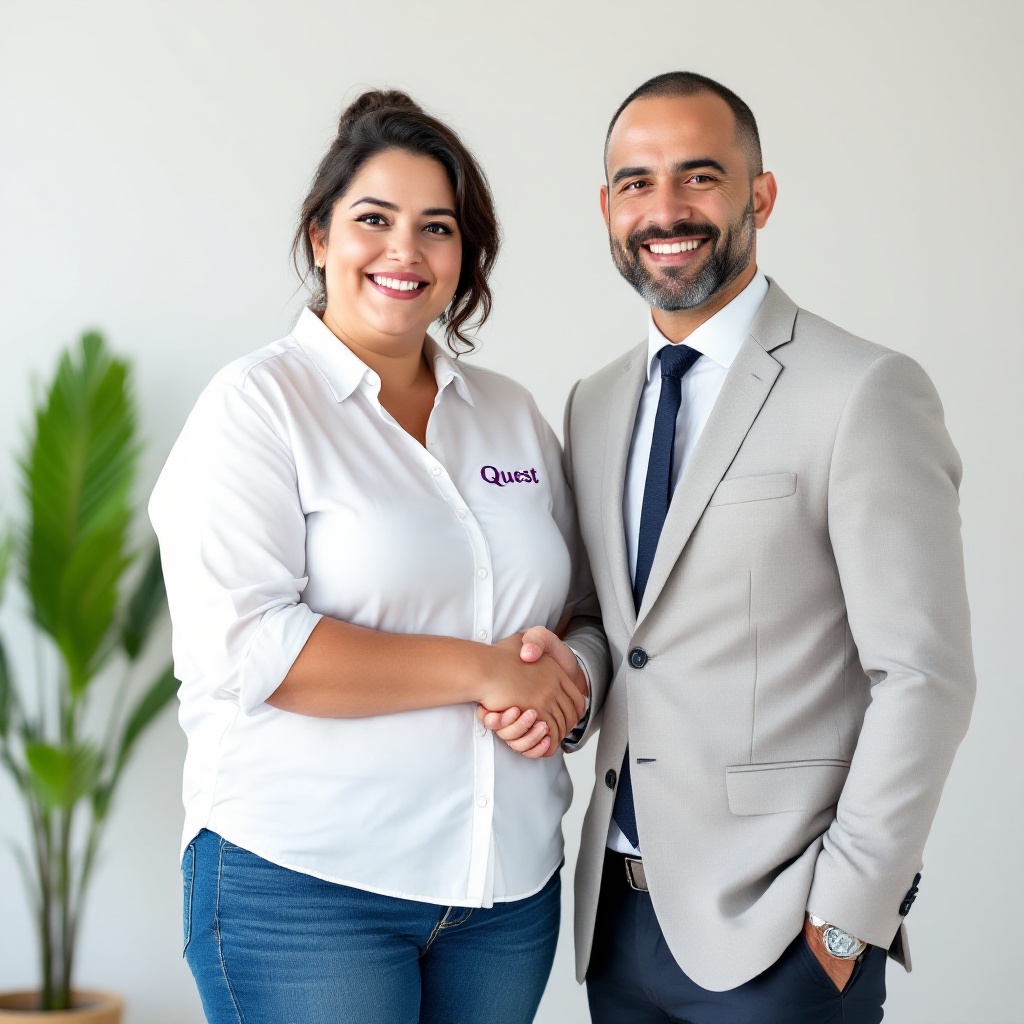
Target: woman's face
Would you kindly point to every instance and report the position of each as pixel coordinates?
(393, 255)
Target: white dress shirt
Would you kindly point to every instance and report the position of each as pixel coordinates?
(292, 493)
(718, 340)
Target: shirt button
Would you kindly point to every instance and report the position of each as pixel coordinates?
(610, 778)
(481, 801)
(481, 729)
(461, 513)
(482, 573)
(482, 634)
(436, 471)
(638, 657)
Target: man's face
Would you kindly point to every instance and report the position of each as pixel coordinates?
(680, 204)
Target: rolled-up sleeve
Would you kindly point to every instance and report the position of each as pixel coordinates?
(229, 519)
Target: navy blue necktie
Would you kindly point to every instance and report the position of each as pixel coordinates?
(675, 361)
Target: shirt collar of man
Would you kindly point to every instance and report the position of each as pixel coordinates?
(344, 371)
(721, 336)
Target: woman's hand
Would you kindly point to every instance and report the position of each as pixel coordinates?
(537, 682)
(526, 731)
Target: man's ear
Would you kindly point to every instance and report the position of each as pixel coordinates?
(764, 189)
(604, 204)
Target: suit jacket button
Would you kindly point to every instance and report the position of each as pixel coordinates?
(609, 778)
(638, 657)
(911, 895)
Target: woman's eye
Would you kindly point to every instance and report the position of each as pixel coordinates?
(437, 228)
(373, 219)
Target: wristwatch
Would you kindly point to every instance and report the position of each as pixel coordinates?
(842, 945)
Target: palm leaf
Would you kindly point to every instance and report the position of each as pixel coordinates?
(7, 697)
(154, 700)
(143, 607)
(6, 542)
(61, 776)
(160, 693)
(77, 479)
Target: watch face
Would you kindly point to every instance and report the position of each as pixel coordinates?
(840, 944)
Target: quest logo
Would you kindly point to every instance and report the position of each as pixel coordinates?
(503, 477)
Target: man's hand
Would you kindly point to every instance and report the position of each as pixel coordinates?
(524, 731)
(838, 970)
(551, 697)
(538, 641)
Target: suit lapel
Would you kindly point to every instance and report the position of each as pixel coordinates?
(622, 406)
(747, 386)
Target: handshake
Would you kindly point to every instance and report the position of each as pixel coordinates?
(535, 692)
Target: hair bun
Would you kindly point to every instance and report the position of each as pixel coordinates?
(372, 101)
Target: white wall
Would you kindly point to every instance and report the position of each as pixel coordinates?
(152, 159)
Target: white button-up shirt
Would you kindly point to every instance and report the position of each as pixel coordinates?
(718, 340)
(292, 493)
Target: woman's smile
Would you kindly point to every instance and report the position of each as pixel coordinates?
(399, 286)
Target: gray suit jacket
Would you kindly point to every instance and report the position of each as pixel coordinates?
(809, 671)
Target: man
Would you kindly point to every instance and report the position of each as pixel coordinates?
(770, 510)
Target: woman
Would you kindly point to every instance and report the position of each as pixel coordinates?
(348, 523)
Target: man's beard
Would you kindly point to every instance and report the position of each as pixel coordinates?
(678, 288)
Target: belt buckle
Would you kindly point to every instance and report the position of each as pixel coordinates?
(635, 874)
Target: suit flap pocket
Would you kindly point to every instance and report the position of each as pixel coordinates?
(785, 786)
(754, 488)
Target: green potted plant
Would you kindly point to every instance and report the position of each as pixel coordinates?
(74, 552)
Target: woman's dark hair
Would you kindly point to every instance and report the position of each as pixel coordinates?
(374, 123)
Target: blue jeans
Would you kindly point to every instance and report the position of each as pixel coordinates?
(267, 945)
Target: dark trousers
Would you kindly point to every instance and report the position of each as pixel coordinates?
(633, 979)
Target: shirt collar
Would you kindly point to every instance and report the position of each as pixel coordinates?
(446, 370)
(721, 336)
(344, 371)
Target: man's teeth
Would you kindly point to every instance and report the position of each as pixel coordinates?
(663, 249)
(395, 284)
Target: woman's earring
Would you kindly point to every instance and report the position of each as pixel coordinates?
(319, 284)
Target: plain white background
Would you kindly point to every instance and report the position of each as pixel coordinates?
(153, 156)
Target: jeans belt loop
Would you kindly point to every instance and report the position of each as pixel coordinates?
(635, 874)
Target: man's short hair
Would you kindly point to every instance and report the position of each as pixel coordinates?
(689, 83)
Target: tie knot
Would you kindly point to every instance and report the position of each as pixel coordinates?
(677, 359)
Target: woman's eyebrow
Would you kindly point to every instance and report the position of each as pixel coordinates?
(375, 202)
(439, 211)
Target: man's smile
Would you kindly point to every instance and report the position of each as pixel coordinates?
(668, 248)
(672, 252)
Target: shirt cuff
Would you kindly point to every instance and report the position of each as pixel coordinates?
(282, 634)
(576, 734)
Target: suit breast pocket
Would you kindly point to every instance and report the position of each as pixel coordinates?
(739, 489)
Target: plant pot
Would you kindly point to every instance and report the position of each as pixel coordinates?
(89, 1008)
